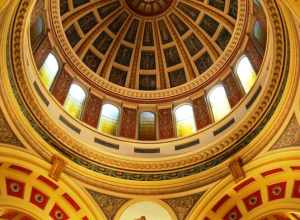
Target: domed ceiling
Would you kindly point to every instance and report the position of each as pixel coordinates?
(148, 44)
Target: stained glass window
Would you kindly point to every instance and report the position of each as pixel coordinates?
(109, 119)
(75, 100)
(246, 73)
(49, 70)
(147, 129)
(258, 32)
(219, 102)
(185, 120)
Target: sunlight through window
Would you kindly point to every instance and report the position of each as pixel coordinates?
(49, 70)
(109, 119)
(219, 102)
(74, 101)
(246, 73)
(147, 126)
(185, 120)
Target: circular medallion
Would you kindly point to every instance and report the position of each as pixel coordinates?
(149, 7)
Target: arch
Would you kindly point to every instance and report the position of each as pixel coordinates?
(75, 100)
(246, 73)
(31, 191)
(151, 209)
(49, 70)
(147, 129)
(109, 119)
(185, 120)
(272, 184)
(218, 101)
(10, 213)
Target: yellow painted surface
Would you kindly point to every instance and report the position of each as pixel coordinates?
(294, 6)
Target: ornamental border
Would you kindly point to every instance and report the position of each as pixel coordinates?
(141, 170)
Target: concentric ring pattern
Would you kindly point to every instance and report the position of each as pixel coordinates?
(149, 44)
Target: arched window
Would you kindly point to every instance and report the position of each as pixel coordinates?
(49, 70)
(185, 120)
(258, 32)
(147, 129)
(109, 119)
(219, 102)
(74, 101)
(246, 73)
(36, 30)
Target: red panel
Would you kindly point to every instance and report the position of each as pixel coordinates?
(252, 201)
(271, 172)
(277, 191)
(165, 123)
(201, 112)
(92, 110)
(253, 55)
(295, 167)
(233, 214)
(42, 52)
(234, 92)
(26, 218)
(206, 218)
(244, 184)
(15, 188)
(296, 189)
(61, 86)
(58, 214)
(220, 203)
(48, 182)
(21, 169)
(9, 215)
(71, 201)
(38, 198)
(128, 123)
(85, 218)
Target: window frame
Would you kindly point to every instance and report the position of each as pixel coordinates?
(175, 119)
(119, 117)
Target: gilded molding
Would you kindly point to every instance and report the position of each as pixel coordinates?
(165, 168)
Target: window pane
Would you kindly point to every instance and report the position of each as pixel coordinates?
(219, 102)
(109, 119)
(147, 126)
(246, 73)
(49, 70)
(74, 101)
(185, 121)
(258, 32)
(36, 30)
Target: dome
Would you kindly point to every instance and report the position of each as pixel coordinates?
(148, 44)
(207, 101)
(149, 109)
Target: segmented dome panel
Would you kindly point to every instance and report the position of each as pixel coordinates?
(149, 44)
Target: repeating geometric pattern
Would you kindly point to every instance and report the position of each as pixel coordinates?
(148, 45)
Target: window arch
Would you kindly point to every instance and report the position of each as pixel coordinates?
(49, 70)
(219, 102)
(147, 129)
(75, 100)
(109, 119)
(185, 120)
(245, 73)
